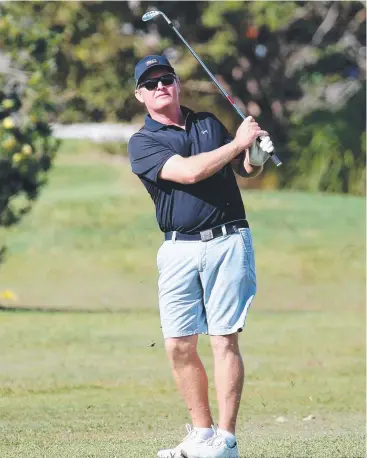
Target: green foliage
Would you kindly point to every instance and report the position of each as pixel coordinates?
(274, 14)
(115, 148)
(27, 150)
(26, 144)
(213, 15)
(283, 62)
(303, 77)
(327, 156)
(95, 59)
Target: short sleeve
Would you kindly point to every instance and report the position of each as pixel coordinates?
(147, 156)
(227, 137)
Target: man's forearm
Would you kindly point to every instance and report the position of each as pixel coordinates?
(205, 165)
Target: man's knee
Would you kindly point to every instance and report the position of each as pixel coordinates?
(181, 350)
(224, 345)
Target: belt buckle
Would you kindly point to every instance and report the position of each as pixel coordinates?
(206, 235)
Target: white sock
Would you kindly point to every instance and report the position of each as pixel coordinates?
(229, 437)
(204, 433)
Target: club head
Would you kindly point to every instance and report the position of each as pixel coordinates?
(150, 15)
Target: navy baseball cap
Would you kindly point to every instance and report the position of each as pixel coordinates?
(149, 62)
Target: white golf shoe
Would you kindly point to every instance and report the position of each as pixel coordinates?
(191, 439)
(215, 447)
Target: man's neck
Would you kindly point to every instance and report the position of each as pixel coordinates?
(170, 116)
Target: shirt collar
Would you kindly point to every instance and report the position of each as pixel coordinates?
(154, 126)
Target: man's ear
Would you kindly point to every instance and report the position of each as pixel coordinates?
(138, 96)
(178, 82)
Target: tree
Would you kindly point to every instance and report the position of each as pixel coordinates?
(26, 144)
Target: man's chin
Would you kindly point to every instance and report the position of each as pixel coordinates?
(162, 102)
(163, 99)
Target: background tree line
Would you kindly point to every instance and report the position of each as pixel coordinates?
(298, 67)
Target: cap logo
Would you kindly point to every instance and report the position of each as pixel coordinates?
(150, 62)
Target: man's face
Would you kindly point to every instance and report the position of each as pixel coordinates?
(162, 95)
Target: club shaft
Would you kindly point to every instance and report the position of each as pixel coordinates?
(273, 156)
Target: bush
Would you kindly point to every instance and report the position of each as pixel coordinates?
(26, 154)
(26, 102)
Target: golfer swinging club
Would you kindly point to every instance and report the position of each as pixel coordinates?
(206, 264)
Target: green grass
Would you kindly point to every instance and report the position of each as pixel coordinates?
(81, 379)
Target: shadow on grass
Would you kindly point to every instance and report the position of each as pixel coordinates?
(2, 254)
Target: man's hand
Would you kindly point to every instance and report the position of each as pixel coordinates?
(266, 144)
(259, 151)
(247, 133)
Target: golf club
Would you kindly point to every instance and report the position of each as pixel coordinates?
(151, 15)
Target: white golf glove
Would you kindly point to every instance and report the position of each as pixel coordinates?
(259, 151)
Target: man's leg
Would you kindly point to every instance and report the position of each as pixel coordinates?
(229, 286)
(190, 377)
(229, 378)
(229, 283)
(182, 313)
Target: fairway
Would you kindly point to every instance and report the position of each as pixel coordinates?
(83, 372)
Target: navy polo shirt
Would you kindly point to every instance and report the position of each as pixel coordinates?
(187, 208)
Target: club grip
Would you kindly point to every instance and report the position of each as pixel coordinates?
(276, 160)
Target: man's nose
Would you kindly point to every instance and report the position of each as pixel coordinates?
(160, 85)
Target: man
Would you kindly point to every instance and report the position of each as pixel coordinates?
(206, 263)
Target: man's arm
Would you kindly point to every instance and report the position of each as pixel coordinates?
(197, 168)
(189, 170)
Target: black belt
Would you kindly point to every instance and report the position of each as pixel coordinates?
(209, 234)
